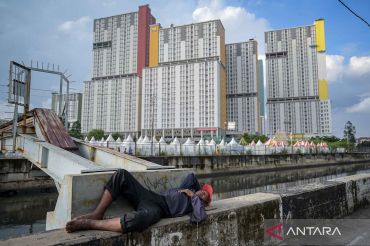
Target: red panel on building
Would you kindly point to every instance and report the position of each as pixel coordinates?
(145, 19)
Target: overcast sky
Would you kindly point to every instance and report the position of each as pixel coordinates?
(60, 32)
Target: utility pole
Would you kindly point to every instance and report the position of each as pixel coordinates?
(15, 116)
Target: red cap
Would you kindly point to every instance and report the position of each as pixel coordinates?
(209, 189)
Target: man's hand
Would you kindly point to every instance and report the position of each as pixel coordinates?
(188, 192)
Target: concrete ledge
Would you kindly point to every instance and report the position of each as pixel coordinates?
(233, 221)
(315, 201)
(357, 190)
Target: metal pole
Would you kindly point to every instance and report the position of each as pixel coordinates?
(152, 105)
(27, 99)
(60, 96)
(15, 116)
(67, 106)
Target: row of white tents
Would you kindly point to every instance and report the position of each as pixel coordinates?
(146, 146)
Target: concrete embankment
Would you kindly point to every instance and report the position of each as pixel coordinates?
(19, 174)
(234, 221)
(228, 164)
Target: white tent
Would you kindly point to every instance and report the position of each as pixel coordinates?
(234, 148)
(188, 148)
(201, 147)
(101, 142)
(155, 146)
(221, 147)
(144, 146)
(162, 146)
(162, 141)
(175, 141)
(259, 148)
(211, 147)
(86, 140)
(92, 141)
(128, 145)
(222, 143)
(155, 141)
(175, 147)
(110, 142)
(128, 139)
(118, 143)
(140, 139)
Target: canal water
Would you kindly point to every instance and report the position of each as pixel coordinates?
(25, 213)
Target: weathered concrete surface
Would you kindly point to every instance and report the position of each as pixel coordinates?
(357, 190)
(80, 194)
(204, 165)
(315, 201)
(19, 174)
(234, 221)
(326, 200)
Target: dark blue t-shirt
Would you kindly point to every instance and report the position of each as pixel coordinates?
(180, 204)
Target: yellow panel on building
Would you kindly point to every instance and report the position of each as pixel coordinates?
(153, 45)
(323, 89)
(223, 102)
(320, 35)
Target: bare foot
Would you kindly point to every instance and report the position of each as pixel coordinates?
(90, 216)
(78, 225)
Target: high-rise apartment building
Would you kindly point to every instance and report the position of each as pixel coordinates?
(297, 88)
(242, 86)
(261, 88)
(184, 87)
(74, 105)
(112, 99)
(261, 95)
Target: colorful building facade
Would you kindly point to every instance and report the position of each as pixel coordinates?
(297, 88)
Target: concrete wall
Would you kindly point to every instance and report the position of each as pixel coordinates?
(20, 174)
(234, 221)
(207, 164)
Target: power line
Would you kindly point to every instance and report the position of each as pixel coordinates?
(367, 23)
(35, 89)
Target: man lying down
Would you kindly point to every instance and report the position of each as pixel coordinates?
(150, 207)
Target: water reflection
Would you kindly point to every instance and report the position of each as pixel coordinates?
(238, 185)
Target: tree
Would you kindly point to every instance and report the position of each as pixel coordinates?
(248, 138)
(116, 135)
(349, 132)
(96, 133)
(76, 130)
(326, 139)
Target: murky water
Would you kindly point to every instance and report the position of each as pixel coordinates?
(25, 213)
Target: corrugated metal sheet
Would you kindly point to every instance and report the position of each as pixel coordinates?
(52, 129)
